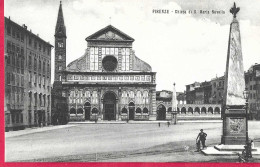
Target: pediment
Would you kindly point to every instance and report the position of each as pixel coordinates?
(109, 33)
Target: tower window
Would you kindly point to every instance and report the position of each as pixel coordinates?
(60, 57)
(60, 44)
(60, 67)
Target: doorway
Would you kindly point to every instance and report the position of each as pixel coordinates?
(131, 107)
(161, 112)
(110, 106)
(87, 108)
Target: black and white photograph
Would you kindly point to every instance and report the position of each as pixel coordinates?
(132, 81)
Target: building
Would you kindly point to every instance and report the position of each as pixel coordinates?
(109, 82)
(252, 79)
(185, 111)
(191, 93)
(203, 93)
(27, 76)
(217, 90)
(164, 103)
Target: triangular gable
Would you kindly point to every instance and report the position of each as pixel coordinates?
(109, 33)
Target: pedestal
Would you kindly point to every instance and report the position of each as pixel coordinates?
(234, 126)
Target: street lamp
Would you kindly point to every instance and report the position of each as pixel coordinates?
(248, 144)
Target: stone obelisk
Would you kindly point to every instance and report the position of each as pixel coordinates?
(233, 109)
(174, 105)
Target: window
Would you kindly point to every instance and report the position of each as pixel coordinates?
(60, 67)
(40, 80)
(49, 51)
(60, 57)
(48, 68)
(125, 59)
(13, 32)
(79, 111)
(22, 51)
(30, 41)
(35, 45)
(8, 78)
(44, 100)
(138, 110)
(30, 77)
(35, 64)
(72, 111)
(40, 66)
(124, 111)
(40, 47)
(30, 61)
(9, 46)
(60, 44)
(145, 110)
(35, 79)
(9, 30)
(93, 59)
(22, 81)
(43, 70)
(94, 111)
(22, 37)
(17, 35)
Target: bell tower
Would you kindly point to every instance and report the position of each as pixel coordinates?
(60, 46)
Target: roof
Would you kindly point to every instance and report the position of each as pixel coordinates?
(60, 29)
(27, 31)
(109, 33)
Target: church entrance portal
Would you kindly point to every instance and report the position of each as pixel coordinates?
(161, 112)
(110, 106)
(87, 108)
(131, 111)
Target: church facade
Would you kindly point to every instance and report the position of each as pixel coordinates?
(109, 82)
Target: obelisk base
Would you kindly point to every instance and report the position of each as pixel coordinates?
(234, 126)
(228, 150)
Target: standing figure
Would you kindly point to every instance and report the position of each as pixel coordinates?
(202, 137)
(168, 123)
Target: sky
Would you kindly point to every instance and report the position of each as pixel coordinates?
(180, 47)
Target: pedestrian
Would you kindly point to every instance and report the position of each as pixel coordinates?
(159, 124)
(252, 144)
(168, 123)
(202, 138)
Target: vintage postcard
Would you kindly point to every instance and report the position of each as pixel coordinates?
(131, 81)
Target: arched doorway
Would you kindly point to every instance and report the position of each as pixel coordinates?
(161, 112)
(87, 108)
(203, 110)
(190, 110)
(217, 110)
(197, 110)
(183, 110)
(72, 111)
(110, 106)
(131, 107)
(210, 110)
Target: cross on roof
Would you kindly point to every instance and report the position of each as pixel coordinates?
(234, 10)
